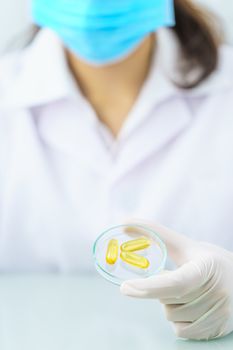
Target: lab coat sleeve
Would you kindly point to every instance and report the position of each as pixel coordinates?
(3, 157)
(6, 72)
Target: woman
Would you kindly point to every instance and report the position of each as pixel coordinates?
(117, 111)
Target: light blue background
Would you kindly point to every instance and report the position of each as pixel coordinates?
(49, 312)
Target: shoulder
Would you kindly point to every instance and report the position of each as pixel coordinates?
(226, 56)
(219, 85)
(225, 65)
(35, 75)
(222, 79)
(10, 66)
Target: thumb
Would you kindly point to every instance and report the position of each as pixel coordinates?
(173, 284)
(178, 245)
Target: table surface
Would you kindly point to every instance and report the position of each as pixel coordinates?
(57, 312)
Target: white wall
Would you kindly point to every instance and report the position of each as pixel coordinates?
(14, 17)
(224, 10)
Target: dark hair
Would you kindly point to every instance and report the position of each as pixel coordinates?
(198, 38)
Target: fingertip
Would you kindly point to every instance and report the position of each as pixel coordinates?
(123, 287)
(133, 289)
(126, 289)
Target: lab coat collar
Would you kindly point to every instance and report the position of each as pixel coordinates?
(41, 76)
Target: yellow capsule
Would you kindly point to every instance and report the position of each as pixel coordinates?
(112, 252)
(136, 244)
(135, 260)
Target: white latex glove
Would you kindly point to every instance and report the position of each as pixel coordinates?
(198, 295)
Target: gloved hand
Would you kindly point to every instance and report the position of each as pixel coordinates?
(198, 295)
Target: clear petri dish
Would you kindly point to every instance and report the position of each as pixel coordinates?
(121, 271)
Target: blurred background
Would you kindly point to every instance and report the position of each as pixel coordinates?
(15, 17)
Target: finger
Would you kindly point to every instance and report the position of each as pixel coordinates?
(189, 297)
(206, 332)
(192, 311)
(175, 242)
(211, 325)
(174, 284)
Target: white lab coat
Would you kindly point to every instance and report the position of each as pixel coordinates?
(64, 179)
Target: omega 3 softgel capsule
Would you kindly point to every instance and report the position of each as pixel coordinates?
(112, 252)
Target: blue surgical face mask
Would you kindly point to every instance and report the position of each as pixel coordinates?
(103, 31)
